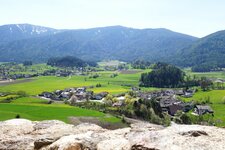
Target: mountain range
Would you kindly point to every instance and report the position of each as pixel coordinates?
(208, 51)
(19, 42)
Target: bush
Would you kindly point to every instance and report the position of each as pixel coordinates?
(17, 116)
(27, 63)
(98, 85)
(113, 75)
(22, 93)
(123, 119)
(185, 119)
(166, 119)
(95, 76)
(154, 118)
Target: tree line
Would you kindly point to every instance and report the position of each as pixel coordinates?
(69, 61)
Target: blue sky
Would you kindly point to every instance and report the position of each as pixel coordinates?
(194, 17)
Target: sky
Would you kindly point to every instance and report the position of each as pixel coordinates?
(194, 17)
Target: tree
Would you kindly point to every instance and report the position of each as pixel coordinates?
(144, 111)
(182, 118)
(27, 63)
(17, 116)
(153, 117)
(205, 83)
(140, 64)
(128, 99)
(109, 97)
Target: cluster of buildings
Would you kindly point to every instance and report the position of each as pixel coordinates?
(17, 76)
(73, 95)
(169, 102)
(58, 73)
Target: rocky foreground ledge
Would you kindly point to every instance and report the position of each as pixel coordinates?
(56, 135)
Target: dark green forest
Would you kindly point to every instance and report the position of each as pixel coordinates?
(69, 61)
(163, 75)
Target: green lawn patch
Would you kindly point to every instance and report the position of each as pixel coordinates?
(216, 98)
(48, 112)
(114, 85)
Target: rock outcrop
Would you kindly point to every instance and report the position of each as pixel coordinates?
(57, 135)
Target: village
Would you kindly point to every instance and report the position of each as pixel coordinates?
(13, 71)
(169, 100)
(131, 100)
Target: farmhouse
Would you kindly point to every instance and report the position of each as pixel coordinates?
(73, 99)
(46, 94)
(99, 96)
(170, 104)
(219, 83)
(203, 109)
(135, 89)
(118, 104)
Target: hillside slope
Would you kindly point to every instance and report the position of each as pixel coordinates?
(115, 42)
(13, 32)
(209, 50)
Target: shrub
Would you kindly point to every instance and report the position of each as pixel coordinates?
(17, 116)
(98, 85)
(95, 76)
(166, 119)
(22, 93)
(154, 118)
(123, 119)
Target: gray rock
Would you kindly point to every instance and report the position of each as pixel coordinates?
(53, 134)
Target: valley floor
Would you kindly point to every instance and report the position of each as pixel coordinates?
(37, 109)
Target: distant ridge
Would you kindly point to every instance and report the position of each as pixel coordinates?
(14, 32)
(30, 42)
(209, 51)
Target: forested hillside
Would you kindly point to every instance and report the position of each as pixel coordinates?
(208, 52)
(115, 42)
(13, 32)
(28, 42)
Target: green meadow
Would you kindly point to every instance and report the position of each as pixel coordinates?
(215, 74)
(36, 109)
(36, 68)
(118, 84)
(216, 98)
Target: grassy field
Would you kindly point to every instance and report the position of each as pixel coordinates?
(216, 98)
(216, 74)
(35, 109)
(110, 63)
(118, 84)
(35, 68)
